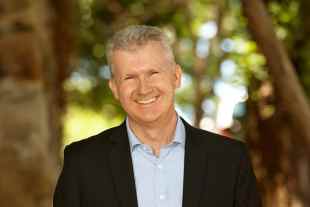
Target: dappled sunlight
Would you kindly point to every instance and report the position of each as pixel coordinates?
(80, 123)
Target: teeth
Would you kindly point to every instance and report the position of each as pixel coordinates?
(146, 101)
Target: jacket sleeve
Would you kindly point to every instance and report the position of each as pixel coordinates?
(67, 190)
(247, 194)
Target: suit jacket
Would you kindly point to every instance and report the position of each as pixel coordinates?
(98, 172)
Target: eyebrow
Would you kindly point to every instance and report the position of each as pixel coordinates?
(129, 74)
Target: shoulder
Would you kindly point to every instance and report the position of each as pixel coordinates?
(217, 144)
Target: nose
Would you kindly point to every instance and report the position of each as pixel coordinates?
(144, 87)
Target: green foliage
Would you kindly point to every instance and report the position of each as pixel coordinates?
(88, 88)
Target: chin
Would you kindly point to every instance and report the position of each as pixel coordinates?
(148, 118)
(151, 116)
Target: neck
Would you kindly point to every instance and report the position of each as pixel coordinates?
(155, 134)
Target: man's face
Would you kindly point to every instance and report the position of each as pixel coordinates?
(144, 81)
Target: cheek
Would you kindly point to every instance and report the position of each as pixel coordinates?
(170, 85)
(125, 92)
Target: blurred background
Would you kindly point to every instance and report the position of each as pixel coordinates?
(245, 75)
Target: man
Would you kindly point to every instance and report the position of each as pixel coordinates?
(154, 158)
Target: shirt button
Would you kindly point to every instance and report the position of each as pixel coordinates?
(162, 197)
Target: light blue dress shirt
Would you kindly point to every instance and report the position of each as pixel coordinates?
(159, 180)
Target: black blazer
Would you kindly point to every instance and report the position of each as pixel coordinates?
(98, 172)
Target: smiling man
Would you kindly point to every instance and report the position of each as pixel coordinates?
(154, 158)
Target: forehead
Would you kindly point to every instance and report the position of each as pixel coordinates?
(151, 54)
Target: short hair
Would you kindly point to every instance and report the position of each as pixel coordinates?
(134, 36)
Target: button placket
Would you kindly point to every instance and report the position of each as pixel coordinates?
(162, 196)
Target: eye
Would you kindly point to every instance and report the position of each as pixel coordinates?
(128, 78)
(154, 72)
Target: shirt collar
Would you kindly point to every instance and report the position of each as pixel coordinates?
(179, 135)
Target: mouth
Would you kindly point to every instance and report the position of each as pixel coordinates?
(147, 101)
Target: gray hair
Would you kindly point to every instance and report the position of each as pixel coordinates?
(134, 36)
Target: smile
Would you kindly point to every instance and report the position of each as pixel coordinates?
(147, 101)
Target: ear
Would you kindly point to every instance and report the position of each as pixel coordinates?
(178, 75)
(113, 87)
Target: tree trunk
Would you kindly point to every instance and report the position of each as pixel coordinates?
(290, 100)
(29, 104)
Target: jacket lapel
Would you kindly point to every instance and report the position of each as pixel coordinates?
(195, 167)
(122, 169)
